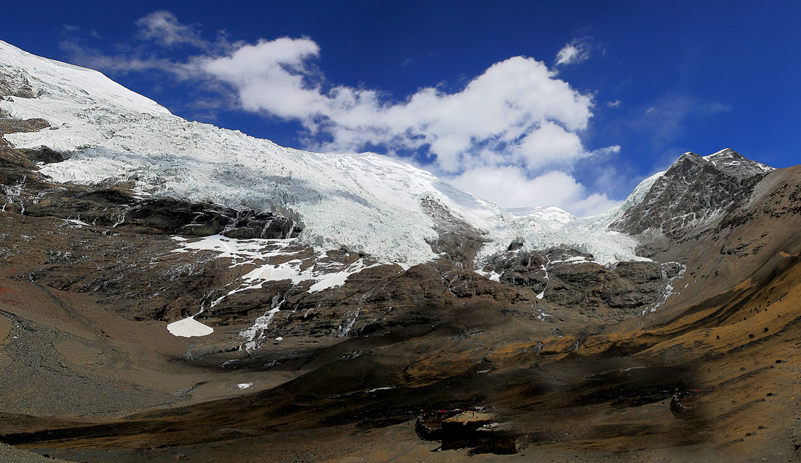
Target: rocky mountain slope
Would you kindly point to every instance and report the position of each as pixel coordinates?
(338, 296)
(693, 195)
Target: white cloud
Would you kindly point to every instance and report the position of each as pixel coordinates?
(509, 187)
(551, 144)
(592, 205)
(94, 59)
(574, 52)
(667, 118)
(516, 111)
(269, 76)
(163, 27)
(509, 135)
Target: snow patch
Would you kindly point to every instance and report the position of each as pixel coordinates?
(254, 251)
(668, 287)
(78, 223)
(547, 278)
(388, 388)
(543, 316)
(350, 320)
(189, 328)
(255, 334)
(491, 275)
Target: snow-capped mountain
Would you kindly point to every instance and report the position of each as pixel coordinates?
(149, 262)
(365, 202)
(116, 158)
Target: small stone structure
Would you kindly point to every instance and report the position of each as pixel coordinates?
(478, 430)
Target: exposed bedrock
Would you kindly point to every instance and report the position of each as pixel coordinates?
(24, 190)
(457, 240)
(571, 279)
(373, 300)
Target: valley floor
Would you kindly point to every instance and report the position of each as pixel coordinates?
(582, 404)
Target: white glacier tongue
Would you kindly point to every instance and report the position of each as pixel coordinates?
(547, 227)
(362, 202)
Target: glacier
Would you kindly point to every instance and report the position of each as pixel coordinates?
(361, 202)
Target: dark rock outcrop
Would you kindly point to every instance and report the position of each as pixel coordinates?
(376, 299)
(204, 219)
(570, 279)
(627, 287)
(458, 241)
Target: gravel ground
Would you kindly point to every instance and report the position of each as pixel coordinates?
(37, 358)
(9, 454)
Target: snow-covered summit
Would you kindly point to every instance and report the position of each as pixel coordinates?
(363, 202)
(734, 164)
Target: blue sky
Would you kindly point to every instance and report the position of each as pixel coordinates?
(524, 103)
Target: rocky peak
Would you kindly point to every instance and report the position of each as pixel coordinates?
(692, 194)
(733, 163)
(456, 239)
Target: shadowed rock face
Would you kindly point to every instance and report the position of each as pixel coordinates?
(193, 219)
(383, 297)
(523, 269)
